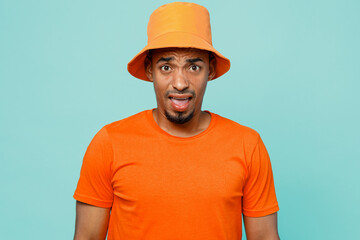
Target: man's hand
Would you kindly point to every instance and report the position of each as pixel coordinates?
(261, 228)
(91, 222)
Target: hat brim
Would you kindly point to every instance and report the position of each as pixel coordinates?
(176, 40)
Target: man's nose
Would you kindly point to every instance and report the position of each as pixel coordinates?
(180, 81)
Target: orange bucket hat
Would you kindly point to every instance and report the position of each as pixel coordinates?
(181, 25)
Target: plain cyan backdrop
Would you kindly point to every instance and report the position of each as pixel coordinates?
(294, 78)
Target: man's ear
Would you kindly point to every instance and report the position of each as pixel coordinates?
(148, 68)
(212, 69)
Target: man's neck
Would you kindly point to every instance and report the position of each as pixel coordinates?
(197, 124)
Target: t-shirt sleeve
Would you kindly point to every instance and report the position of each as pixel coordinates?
(259, 197)
(94, 186)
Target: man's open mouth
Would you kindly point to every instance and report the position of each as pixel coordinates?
(180, 103)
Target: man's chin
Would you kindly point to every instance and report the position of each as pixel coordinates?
(179, 117)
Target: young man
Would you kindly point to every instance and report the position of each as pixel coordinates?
(176, 172)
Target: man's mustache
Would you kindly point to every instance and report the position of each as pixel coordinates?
(191, 92)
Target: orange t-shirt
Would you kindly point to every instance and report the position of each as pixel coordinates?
(161, 186)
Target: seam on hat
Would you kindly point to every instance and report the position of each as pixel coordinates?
(180, 32)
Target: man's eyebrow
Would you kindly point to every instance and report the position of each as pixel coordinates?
(194, 60)
(168, 59)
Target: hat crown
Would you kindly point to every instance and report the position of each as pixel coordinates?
(180, 17)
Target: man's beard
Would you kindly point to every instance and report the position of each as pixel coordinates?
(179, 118)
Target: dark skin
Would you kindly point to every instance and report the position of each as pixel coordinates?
(91, 222)
(176, 71)
(180, 73)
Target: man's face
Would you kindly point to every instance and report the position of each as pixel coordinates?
(180, 77)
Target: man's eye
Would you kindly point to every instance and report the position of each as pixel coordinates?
(194, 68)
(165, 68)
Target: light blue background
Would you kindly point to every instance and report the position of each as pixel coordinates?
(294, 78)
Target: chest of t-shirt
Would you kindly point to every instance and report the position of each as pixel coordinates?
(164, 175)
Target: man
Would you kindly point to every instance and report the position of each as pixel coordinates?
(176, 172)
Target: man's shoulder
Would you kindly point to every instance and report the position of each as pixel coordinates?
(129, 123)
(234, 128)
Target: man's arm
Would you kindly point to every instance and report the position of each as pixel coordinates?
(261, 228)
(91, 222)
